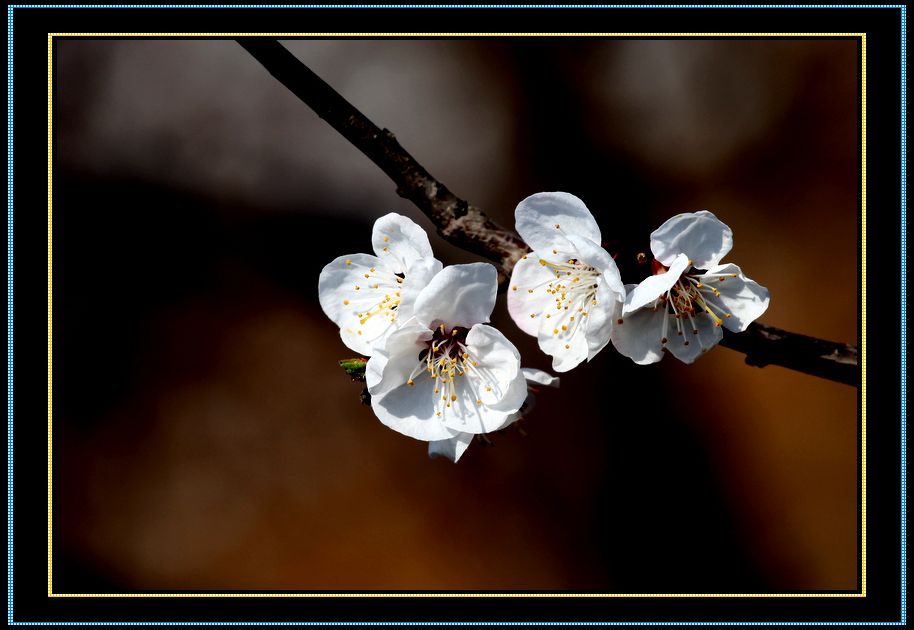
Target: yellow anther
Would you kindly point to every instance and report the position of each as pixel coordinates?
(454, 333)
(567, 346)
(356, 287)
(514, 288)
(367, 276)
(372, 270)
(345, 301)
(555, 331)
(488, 389)
(410, 382)
(386, 249)
(557, 226)
(532, 314)
(386, 239)
(529, 290)
(438, 413)
(478, 402)
(548, 316)
(554, 252)
(453, 397)
(542, 262)
(564, 327)
(359, 333)
(348, 262)
(523, 257)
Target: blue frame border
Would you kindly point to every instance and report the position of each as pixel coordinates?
(903, 340)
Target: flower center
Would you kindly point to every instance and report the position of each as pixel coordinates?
(689, 299)
(575, 283)
(449, 362)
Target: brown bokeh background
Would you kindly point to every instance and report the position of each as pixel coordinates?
(204, 437)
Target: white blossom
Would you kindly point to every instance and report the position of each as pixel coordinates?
(446, 374)
(568, 292)
(367, 296)
(690, 297)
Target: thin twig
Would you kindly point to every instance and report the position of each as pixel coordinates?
(464, 225)
(468, 227)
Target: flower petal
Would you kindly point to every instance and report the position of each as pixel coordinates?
(540, 377)
(359, 305)
(516, 391)
(699, 235)
(452, 448)
(399, 242)
(527, 296)
(588, 251)
(392, 364)
(639, 336)
(744, 299)
(654, 286)
(498, 367)
(602, 317)
(459, 295)
(699, 334)
(416, 278)
(545, 219)
(563, 337)
(409, 410)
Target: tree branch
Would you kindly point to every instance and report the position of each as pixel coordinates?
(468, 227)
(766, 345)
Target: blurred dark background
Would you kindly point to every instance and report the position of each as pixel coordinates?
(204, 437)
